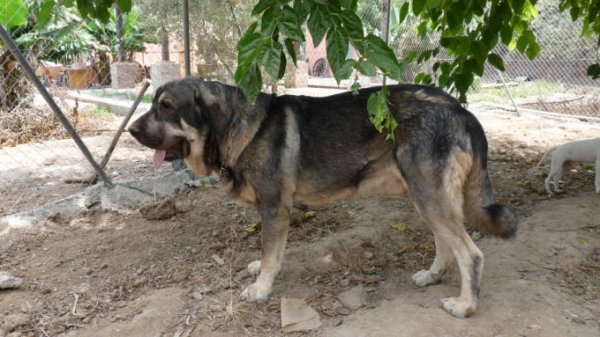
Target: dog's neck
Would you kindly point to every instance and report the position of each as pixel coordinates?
(224, 151)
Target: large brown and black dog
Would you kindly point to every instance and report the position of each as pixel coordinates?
(296, 149)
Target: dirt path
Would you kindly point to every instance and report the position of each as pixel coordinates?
(109, 274)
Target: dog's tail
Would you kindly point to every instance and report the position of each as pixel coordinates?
(481, 210)
(545, 154)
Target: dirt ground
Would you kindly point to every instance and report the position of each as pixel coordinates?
(113, 274)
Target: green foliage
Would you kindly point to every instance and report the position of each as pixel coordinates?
(281, 23)
(14, 14)
(97, 9)
(379, 112)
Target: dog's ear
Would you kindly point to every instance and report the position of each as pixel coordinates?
(214, 111)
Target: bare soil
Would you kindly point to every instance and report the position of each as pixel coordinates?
(112, 274)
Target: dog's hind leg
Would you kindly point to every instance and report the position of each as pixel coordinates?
(274, 237)
(443, 258)
(452, 240)
(441, 202)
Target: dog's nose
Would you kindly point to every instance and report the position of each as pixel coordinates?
(133, 129)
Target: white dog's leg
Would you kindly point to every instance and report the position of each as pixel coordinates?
(597, 182)
(443, 258)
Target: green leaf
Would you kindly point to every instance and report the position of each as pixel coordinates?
(337, 49)
(418, 6)
(248, 48)
(366, 68)
(479, 50)
(496, 61)
(354, 29)
(379, 112)
(289, 46)
(474, 66)
(248, 78)
(594, 71)
(517, 6)
(506, 34)
(124, 5)
(575, 13)
(349, 4)
(533, 50)
(270, 58)
(262, 5)
(269, 20)
(282, 66)
(290, 26)
(463, 81)
(403, 12)
(346, 69)
(44, 13)
(13, 14)
(522, 43)
(380, 54)
(318, 24)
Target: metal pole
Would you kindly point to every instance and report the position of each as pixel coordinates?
(385, 25)
(509, 94)
(55, 109)
(186, 37)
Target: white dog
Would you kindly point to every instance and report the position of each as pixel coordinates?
(582, 151)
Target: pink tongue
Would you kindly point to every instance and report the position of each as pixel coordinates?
(159, 157)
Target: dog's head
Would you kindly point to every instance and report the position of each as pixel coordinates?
(183, 114)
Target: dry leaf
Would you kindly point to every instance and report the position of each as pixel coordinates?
(399, 227)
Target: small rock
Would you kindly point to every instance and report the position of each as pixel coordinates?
(218, 259)
(159, 211)
(197, 296)
(180, 276)
(7, 281)
(11, 322)
(343, 311)
(140, 281)
(353, 298)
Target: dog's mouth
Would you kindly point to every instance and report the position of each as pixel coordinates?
(178, 151)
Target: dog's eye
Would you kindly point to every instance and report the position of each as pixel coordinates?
(166, 106)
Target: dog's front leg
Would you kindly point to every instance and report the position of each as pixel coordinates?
(275, 227)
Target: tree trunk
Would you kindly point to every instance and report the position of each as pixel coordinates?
(121, 46)
(164, 43)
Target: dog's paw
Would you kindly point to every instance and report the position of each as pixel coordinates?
(424, 278)
(458, 307)
(256, 292)
(254, 267)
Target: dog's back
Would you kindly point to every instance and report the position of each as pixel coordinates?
(435, 139)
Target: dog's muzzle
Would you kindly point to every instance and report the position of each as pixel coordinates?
(179, 150)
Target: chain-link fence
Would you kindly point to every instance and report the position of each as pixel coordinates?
(555, 82)
(76, 61)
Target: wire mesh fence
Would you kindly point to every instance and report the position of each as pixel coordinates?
(77, 62)
(554, 82)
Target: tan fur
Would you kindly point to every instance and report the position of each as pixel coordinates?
(195, 159)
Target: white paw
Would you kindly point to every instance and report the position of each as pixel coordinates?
(424, 278)
(254, 267)
(256, 292)
(458, 307)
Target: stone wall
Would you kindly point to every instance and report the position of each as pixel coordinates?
(122, 74)
(163, 72)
